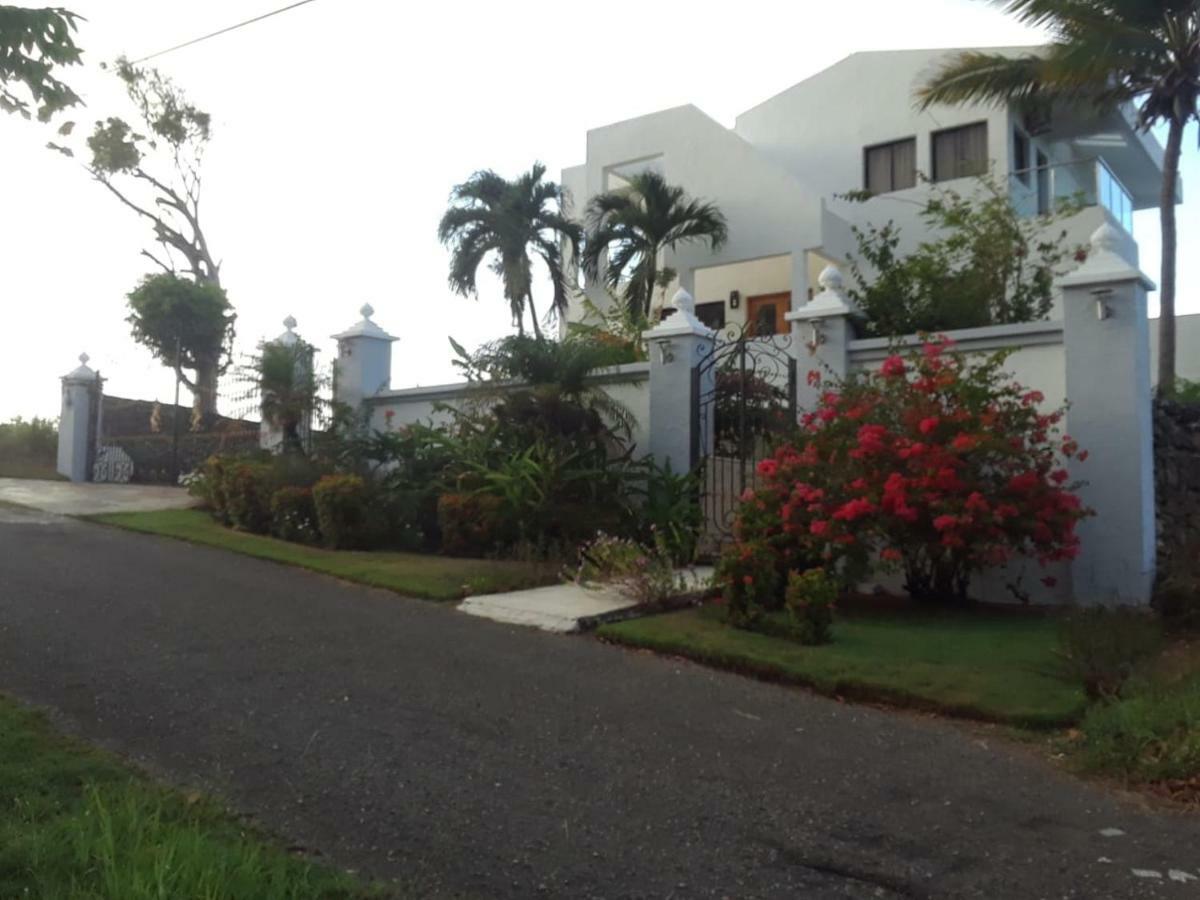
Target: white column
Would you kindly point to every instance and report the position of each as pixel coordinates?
(677, 345)
(76, 430)
(364, 362)
(1106, 341)
(821, 333)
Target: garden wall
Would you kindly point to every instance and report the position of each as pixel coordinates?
(1177, 481)
(626, 384)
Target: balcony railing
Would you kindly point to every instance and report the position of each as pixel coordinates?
(1088, 182)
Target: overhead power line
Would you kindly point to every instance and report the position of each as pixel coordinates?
(268, 15)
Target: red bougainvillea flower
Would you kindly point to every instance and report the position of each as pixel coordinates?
(814, 378)
(854, 509)
(893, 367)
(768, 468)
(818, 527)
(1033, 397)
(928, 425)
(945, 522)
(965, 442)
(891, 554)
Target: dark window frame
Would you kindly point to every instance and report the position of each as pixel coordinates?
(933, 142)
(710, 307)
(910, 139)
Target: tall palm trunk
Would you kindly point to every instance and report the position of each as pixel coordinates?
(537, 331)
(1166, 321)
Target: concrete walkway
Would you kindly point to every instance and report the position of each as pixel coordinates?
(67, 498)
(567, 607)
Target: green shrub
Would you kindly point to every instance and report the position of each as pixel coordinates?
(208, 484)
(294, 515)
(248, 487)
(35, 440)
(750, 583)
(670, 510)
(471, 524)
(343, 513)
(1152, 735)
(1101, 647)
(811, 597)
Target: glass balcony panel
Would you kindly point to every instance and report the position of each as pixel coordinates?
(1055, 187)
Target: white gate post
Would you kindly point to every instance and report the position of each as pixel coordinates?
(821, 333)
(364, 361)
(677, 345)
(1106, 339)
(77, 428)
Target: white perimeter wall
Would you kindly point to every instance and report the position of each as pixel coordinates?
(628, 385)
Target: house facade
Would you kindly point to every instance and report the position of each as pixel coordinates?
(779, 173)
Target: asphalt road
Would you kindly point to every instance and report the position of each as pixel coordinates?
(468, 758)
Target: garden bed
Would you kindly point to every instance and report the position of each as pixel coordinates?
(77, 823)
(413, 574)
(980, 665)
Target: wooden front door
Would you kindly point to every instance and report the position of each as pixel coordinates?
(764, 314)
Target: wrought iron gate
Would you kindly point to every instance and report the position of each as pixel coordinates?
(745, 395)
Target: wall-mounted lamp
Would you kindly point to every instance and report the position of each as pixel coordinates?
(666, 352)
(735, 299)
(1103, 310)
(817, 329)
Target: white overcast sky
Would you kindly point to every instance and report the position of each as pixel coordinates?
(340, 127)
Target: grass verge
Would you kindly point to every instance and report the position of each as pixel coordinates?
(414, 574)
(76, 823)
(987, 666)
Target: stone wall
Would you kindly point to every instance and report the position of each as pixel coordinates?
(1177, 481)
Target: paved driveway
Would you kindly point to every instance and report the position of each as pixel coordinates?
(470, 758)
(80, 499)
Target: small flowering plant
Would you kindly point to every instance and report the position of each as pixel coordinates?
(934, 463)
(644, 574)
(811, 597)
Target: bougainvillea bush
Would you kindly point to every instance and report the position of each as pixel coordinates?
(937, 464)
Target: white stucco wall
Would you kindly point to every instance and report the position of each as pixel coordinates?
(768, 211)
(627, 385)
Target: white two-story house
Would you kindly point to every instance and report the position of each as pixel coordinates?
(852, 127)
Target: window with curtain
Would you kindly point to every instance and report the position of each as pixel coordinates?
(960, 152)
(891, 166)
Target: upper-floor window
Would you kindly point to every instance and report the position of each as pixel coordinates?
(1020, 164)
(960, 152)
(891, 166)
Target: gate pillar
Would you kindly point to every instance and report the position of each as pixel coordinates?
(78, 422)
(677, 345)
(821, 333)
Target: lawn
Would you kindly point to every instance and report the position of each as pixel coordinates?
(413, 574)
(984, 665)
(76, 823)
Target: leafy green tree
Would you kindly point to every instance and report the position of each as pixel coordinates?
(187, 325)
(987, 266)
(1105, 53)
(32, 43)
(492, 217)
(154, 169)
(634, 224)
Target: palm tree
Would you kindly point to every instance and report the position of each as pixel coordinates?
(1106, 53)
(490, 216)
(635, 223)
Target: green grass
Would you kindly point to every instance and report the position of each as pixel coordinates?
(414, 574)
(1151, 735)
(989, 666)
(75, 824)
